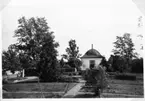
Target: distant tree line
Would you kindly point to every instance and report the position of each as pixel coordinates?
(124, 58)
(117, 64)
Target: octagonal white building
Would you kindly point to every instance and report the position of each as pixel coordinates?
(91, 59)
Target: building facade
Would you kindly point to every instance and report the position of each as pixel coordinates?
(91, 59)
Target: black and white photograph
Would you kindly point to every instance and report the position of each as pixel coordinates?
(72, 49)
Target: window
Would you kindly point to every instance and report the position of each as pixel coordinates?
(92, 64)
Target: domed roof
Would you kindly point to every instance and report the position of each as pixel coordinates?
(92, 53)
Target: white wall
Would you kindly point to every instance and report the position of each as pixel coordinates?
(86, 62)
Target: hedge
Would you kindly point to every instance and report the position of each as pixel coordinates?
(125, 77)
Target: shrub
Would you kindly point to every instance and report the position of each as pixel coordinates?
(70, 74)
(74, 73)
(137, 66)
(68, 79)
(98, 77)
(118, 63)
(66, 66)
(79, 73)
(125, 77)
(5, 81)
(69, 70)
(31, 72)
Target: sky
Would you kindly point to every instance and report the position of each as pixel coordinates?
(96, 22)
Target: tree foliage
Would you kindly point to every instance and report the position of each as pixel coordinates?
(124, 50)
(137, 65)
(62, 63)
(37, 47)
(72, 50)
(124, 46)
(73, 55)
(117, 64)
(104, 62)
(10, 60)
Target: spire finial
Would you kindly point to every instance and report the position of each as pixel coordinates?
(92, 46)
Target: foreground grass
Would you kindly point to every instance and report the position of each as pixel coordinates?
(125, 88)
(118, 88)
(33, 90)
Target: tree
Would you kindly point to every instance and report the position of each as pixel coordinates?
(73, 54)
(124, 48)
(62, 63)
(104, 62)
(72, 50)
(117, 64)
(37, 47)
(137, 65)
(10, 60)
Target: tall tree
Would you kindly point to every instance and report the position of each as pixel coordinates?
(73, 54)
(124, 47)
(37, 47)
(73, 49)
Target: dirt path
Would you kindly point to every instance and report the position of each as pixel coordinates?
(73, 92)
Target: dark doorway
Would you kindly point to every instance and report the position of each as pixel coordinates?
(92, 64)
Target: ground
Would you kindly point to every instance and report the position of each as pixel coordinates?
(117, 89)
(125, 88)
(33, 90)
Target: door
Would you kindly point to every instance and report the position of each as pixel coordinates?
(92, 64)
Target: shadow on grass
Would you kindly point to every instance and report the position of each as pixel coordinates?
(31, 95)
(86, 96)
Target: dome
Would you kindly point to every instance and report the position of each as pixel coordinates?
(92, 53)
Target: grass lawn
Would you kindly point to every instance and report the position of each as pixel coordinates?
(32, 90)
(118, 89)
(125, 88)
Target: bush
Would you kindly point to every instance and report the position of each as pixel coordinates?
(70, 74)
(125, 77)
(69, 70)
(68, 79)
(90, 76)
(83, 73)
(79, 72)
(31, 72)
(97, 77)
(137, 66)
(117, 63)
(66, 66)
(50, 75)
(75, 63)
(5, 81)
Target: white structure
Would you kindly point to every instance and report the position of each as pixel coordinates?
(15, 74)
(23, 73)
(91, 59)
